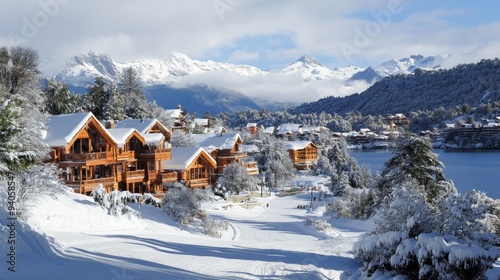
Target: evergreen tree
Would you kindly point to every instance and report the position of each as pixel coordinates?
(59, 100)
(414, 160)
(278, 166)
(130, 85)
(114, 109)
(97, 97)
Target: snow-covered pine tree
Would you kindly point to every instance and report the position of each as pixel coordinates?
(59, 100)
(278, 164)
(130, 86)
(114, 109)
(97, 97)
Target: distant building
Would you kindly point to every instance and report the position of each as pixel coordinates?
(304, 154)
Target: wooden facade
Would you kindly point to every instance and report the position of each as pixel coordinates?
(119, 158)
(225, 148)
(303, 154)
(194, 166)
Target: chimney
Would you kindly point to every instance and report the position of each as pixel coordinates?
(111, 124)
(179, 106)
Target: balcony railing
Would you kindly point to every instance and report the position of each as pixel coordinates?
(85, 186)
(157, 153)
(88, 156)
(126, 155)
(167, 177)
(135, 174)
(198, 183)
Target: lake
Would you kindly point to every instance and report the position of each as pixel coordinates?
(468, 170)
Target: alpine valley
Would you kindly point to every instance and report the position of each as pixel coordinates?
(208, 86)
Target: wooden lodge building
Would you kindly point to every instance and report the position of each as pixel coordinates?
(226, 149)
(136, 155)
(304, 154)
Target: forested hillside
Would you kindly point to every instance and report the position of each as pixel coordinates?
(471, 84)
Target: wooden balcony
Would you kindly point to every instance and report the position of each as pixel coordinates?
(156, 154)
(198, 183)
(251, 168)
(234, 155)
(87, 186)
(133, 176)
(167, 177)
(89, 158)
(126, 156)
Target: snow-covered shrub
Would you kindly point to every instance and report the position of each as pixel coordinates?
(151, 199)
(354, 204)
(214, 228)
(318, 224)
(115, 203)
(448, 240)
(183, 204)
(38, 180)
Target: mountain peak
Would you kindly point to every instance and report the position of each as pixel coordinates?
(307, 59)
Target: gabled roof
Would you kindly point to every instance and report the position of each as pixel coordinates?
(224, 141)
(123, 135)
(182, 157)
(289, 128)
(143, 126)
(298, 145)
(153, 138)
(62, 129)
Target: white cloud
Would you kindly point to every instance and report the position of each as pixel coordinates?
(129, 30)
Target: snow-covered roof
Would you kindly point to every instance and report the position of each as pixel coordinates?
(251, 124)
(61, 129)
(269, 130)
(142, 125)
(153, 138)
(120, 135)
(289, 128)
(173, 113)
(182, 157)
(224, 141)
(296, 145)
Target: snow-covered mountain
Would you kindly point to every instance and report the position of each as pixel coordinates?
(400, 66)
(312, 70)
(82, 69)
(304, 80)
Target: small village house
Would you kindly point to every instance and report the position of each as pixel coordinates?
(194, 166)
(304, 154)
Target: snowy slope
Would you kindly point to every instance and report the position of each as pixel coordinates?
(266, 242)
(261, 242)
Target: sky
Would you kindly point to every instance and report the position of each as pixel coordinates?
(265, 34)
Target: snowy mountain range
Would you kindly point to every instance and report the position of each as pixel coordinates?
(304, 80)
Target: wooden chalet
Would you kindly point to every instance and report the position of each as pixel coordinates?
(225, 148)
(194, 166)
(83, 148)
(304, 154)
(179, 119)
(155, 151)
(130, 175)
(252, 128)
